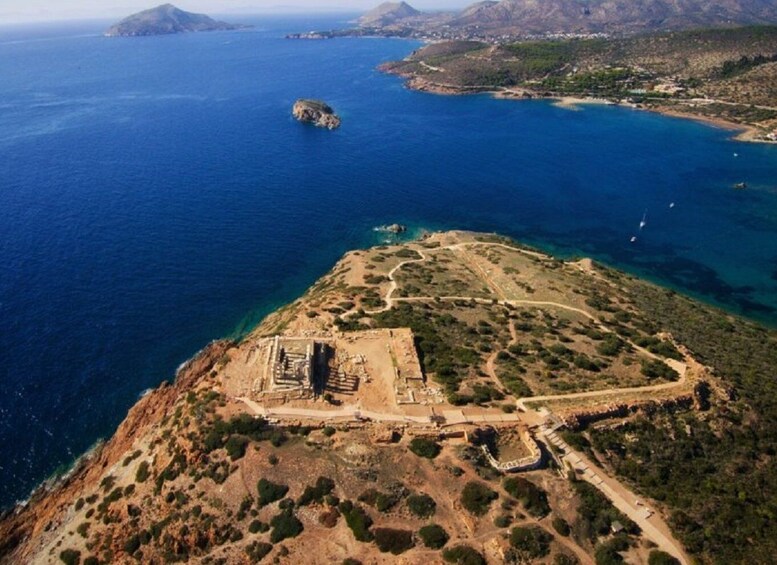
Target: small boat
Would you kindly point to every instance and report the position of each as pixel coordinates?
(671, 205)
(643, 222)
(633, 239)
(736, 154)
(740, 185)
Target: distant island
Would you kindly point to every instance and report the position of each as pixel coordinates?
(317, 113)
(165, 20)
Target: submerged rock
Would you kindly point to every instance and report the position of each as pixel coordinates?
(317, 113)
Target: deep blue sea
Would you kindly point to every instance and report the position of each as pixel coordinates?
(155, 194)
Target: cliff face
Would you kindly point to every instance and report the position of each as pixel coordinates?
(317, 113)
(48, 506)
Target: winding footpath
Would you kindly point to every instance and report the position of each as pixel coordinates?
(624, 499)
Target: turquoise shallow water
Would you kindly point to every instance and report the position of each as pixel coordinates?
(155, 194)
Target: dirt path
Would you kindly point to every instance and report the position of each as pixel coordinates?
(389, 300)
(652, 525)
(680, 367)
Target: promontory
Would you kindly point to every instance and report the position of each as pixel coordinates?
(165, 20)
(316, 112)
(460, 398)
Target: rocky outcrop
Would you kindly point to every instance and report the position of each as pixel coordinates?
(580, 419)
(317, 113)
(46, 507)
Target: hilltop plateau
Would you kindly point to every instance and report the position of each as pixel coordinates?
(459, 398)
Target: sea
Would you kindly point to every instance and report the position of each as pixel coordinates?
(156, 194)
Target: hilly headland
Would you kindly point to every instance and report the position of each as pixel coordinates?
(459, 398)
(725, 76)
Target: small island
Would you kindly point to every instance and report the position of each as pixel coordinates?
(165, 20)
(317, 113)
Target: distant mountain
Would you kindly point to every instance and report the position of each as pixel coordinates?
(387, 14)
(543, 16)
(164, 20)
(475, 9)
(537, 17)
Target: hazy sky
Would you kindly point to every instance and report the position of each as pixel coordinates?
(37, 10)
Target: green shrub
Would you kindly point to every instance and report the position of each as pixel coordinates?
(257, 526)
(658, 369)
(424, 447)
(277, 438)
(236, 447)
(531, 542)
(70, 556)
(531, 496)
(358, 520)
(607, 554)
(285, 525)
(393, 541)
(658, 557)
(322, 488)
(269, 492)
(258, 550)
(463, 555)
(565, 559)
(597, 513)
(381, 501)
(503, 520)
(329, 431)
(142, 472)
(421, 505)
(83, 529)
(561, 526)
(132, 544)
(433, 536)
(477, 497)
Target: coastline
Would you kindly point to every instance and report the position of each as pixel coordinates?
(742, 132)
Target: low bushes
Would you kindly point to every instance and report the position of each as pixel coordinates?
(424, 447)
(433, 536)
(421, 505)
(269, 492)
(285, 525)
(531, 542)
(477, 497)
(393, 541)
(531, 496)
(463, 555)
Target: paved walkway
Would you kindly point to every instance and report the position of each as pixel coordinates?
(355, 413)
(651, 523)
